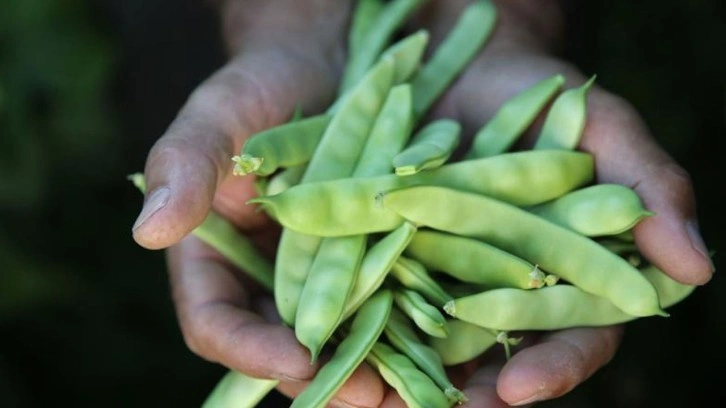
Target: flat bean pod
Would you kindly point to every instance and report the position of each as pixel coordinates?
(475, 261)
(575, 258)
(349, 206)
(556, 307)
(601, 209)
(407, 54)
(413, 385)
(413, 275)
(459, 47)
(513, 118)
(430, 148)
(401, 335)
(335, 157)
(286, 145)
(236, 390)
(565, 121)
(427, 317)
(330, 280)
(465, 342)
(376, 264)
(367, 326)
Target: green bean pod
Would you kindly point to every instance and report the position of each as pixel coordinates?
(598, 210)
(556, 307)
(335, 157)
(413, 275)
(367, 326)
(565, 121)
(376, 264)
(364, 16)
(374, 40)
(286, 145)
(465, 342)
(571, 256)
(475, 261)
(221, 235)
(513, 118)
(413, 385)
(349, 206)
(322, 300)
(430, 148)
(236, 390)
(401, 335)
(426, 316)
(472, 29)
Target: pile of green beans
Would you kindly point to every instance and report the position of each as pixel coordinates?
(393, 254)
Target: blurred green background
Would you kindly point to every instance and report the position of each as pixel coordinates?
(87, 86)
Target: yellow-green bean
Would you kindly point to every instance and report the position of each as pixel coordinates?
(426, 316)
(413, 275)
(465, 342)
(430, 147)
(559, 251)
(367, 326)
(236, 390)
(513, 118)
(565, 121)
(413, 385)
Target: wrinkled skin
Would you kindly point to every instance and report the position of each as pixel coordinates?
(285, 53)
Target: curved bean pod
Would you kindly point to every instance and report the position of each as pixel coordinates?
(430, 148)
(349, 206)
(413, 385)
(236, 390)
(286, 145)
(565, 121)
(335, 157)
(572, 257)
(427, 317)
(285, 179)
(465, 342)
(601, 209)
(413, 275)
(399, 333)
(513, 118)
(367, 326)
(475, 261)
(459, 47)
(556, 307)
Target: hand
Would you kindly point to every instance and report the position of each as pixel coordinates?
(282, 54)
(518, 55)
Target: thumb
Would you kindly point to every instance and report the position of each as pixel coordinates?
(192, 159)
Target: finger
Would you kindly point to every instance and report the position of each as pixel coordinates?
(213, 310)
(481, 388)
(557, 364)
(364, 388)
(256, 90)
(627, 154)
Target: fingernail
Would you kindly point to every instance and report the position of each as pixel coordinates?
(528, 400)
(156, 201)
(697, 241)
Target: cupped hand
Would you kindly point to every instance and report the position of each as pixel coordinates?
(520, 54)
(283, 55)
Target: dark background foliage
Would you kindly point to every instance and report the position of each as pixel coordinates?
(87, 86)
